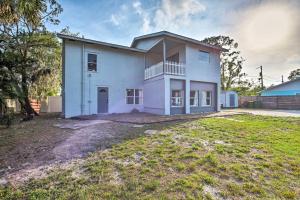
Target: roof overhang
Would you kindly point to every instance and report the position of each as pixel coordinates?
(176, 36)
(284, 83)
(89, 41)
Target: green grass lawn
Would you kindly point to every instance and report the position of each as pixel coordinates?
(241, 157)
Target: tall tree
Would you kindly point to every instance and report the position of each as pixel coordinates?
(294, 74)
(231, 61)
(24, 35)
(50, 85)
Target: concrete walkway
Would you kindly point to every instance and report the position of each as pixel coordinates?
(274, 113)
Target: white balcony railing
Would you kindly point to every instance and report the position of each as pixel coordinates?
(171, 68)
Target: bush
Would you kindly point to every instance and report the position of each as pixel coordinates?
(7, 118)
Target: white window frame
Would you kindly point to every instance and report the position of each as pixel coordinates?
(177, 99)
(134, 97)
(208, 61)
(204, 98)
(87, 62)
(196, 98)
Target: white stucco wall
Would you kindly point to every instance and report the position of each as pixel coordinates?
(146, 44)
(154, 95)
(116, 69)
(73, 58)
(197, 70)
(122, 69)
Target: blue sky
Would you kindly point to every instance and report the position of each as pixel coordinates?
(268, 32)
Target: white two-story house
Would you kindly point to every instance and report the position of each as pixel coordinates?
(161, 73)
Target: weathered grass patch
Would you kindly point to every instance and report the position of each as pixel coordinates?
(245, 157)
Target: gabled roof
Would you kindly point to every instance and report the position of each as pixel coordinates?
(176, 36)
(284, 83)
(69, 37)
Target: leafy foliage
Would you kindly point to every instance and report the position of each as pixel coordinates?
(294, 74)
(26, 46)
(231, 61)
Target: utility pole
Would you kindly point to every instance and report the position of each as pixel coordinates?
(282, 78)
(261, 77)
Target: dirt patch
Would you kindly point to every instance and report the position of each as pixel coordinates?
(231, 119)
(75, 124)
(151, 132)
(21, 176)
(30, 144)
(212, 192)
(46, 142)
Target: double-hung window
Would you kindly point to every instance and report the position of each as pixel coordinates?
(177, 98)
(204, 56)
(206, 98)
(194, 98)
(134, 96)
(92, 62)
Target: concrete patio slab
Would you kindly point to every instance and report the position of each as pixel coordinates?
(147, 118)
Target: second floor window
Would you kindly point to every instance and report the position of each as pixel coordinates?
(177, 98)
(92, 62)
(134, 96)
(204, 56)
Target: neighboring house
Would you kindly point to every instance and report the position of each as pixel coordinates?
(161, 73)
(288, 88)
(229, 99)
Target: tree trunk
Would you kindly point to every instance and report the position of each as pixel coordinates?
(26, 102)
(28, 108)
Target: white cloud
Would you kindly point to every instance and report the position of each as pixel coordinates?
(144, 15)
(118, 19)
(268, 35)
(176, 14)
(267, 31)
(169, 15)
(115, 19)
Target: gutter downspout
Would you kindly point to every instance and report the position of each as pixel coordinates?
(82, 81)
(63, 80)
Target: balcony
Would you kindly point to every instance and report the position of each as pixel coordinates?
(168, 68)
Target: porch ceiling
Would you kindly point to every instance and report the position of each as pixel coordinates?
(170, 44)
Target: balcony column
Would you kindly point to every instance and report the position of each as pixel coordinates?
(187, 96)
(164, 55)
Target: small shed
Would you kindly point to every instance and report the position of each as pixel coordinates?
(229, 99)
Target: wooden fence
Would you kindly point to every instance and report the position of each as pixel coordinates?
(272, 102)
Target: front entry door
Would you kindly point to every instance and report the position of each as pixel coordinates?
(102, 100)
(232, 100)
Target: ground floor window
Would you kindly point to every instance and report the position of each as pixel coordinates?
(206, 98)
(134, 96)
(177, 98)
(194, 98)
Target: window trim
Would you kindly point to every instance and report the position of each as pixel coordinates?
(196, 97)
(210, 101)
(87, 62)
(141, 96)
(181, 97)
